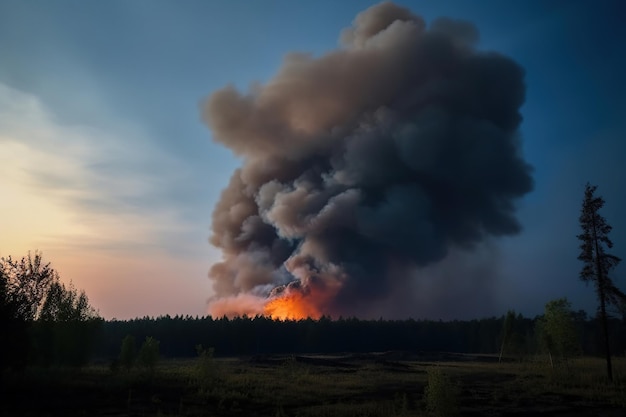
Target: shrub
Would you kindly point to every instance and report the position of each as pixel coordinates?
(206, 370)
(440, 395)
(148, 354)
(127, 352)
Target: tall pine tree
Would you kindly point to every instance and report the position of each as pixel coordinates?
(597, 262)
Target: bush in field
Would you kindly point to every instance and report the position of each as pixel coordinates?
(440, 394)
(128, 352)
(557, 331)
(206, 369)
(148, 354)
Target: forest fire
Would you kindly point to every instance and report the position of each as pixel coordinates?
(418, 155)
(294, 306)
(298, 301)
(293, 301)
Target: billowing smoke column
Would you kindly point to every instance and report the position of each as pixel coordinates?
(379, 156)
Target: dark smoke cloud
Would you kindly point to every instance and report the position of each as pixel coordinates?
(367, 162)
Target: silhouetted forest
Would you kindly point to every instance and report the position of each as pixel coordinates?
(180, 335)
(46, 323)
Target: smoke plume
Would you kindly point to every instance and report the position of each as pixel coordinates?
(363, 164)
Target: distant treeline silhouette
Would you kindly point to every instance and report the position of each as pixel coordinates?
(180, 335)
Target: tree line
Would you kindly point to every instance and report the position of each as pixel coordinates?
(45, 322)
(559, 332)
(515, 335)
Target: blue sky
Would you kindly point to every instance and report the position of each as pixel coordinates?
(107, 169)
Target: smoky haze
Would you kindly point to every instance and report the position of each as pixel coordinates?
(365, 164)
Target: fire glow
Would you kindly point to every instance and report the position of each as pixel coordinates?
(285, 303)
(299, 300)
(294, 306)
(302, 301)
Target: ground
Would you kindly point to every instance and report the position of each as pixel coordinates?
(374, 384)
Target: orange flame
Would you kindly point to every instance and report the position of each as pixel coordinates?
(312, 301)
(292, 306)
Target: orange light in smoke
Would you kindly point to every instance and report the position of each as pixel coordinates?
(293, 306)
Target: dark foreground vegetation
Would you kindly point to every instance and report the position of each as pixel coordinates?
(374, 384)
(258, 367)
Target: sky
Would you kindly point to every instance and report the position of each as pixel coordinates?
(107, 168)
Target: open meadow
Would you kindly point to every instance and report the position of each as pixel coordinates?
(373, 384)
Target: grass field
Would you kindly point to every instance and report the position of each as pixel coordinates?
(383, 384)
